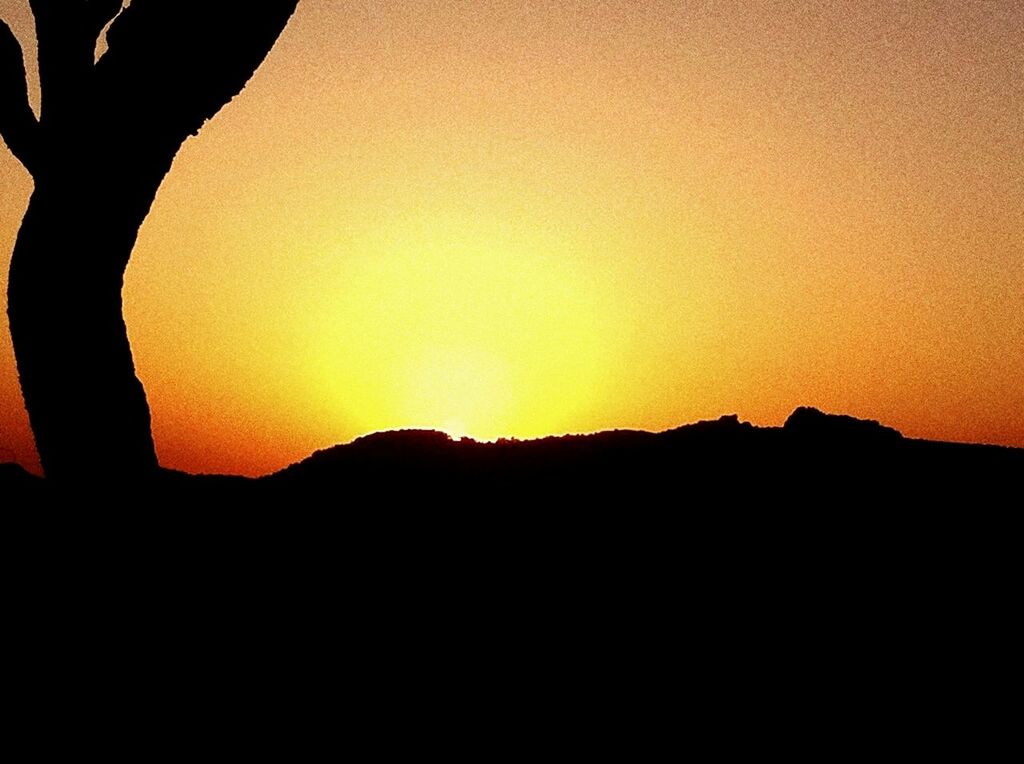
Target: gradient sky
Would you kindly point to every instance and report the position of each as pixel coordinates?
(522, 218)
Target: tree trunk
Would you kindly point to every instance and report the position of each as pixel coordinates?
(87, 408)
(106, 138)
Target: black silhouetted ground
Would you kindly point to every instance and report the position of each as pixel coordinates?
(815, 459)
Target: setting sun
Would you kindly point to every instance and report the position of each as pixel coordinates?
(461, 324)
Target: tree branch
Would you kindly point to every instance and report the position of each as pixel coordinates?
(18, 126)
(173, 64)
(100, 12)
(67, 32)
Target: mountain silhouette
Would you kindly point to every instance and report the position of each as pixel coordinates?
(814, 459)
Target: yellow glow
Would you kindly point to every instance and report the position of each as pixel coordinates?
(452, 324)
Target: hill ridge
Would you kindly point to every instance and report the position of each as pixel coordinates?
(813, 455)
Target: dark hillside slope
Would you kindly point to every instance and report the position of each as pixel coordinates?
(815, 459)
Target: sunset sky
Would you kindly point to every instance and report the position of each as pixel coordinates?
(522, 218)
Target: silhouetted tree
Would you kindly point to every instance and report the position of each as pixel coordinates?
(108, 132)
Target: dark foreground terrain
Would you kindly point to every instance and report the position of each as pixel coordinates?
(815, 459)
(628, 574)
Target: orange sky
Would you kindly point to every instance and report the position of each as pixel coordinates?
(522, 218)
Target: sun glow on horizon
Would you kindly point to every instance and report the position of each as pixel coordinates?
(464, 326)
